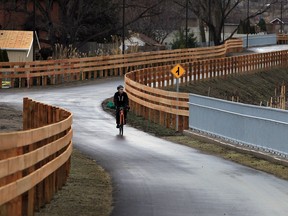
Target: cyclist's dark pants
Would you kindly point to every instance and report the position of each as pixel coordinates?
(118, 116)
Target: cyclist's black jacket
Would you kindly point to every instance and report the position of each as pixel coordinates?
(121, 100)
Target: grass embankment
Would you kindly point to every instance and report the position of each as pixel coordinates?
(10, 119)
(88, 191)
(251, 88)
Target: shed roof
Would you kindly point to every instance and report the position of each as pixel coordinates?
(18, 40)
(278, 20)
(147, 40)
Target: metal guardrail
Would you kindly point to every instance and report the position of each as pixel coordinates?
(260, 40)
(254, 126)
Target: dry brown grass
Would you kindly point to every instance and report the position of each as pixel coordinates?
(250, 88)
(88, 191)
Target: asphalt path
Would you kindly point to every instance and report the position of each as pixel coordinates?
(267, 49)
(152, 176)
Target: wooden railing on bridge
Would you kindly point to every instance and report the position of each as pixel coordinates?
(42, 73)
(35, 162)
(160, 106)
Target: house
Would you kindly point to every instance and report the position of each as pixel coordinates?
(143, 43)
(277, 23)
(19, 45)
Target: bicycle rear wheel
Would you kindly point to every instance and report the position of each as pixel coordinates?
(121, 129)
(121, 123)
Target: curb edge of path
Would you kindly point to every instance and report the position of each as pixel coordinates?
(246, 150)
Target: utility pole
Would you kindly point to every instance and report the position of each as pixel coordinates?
(248, 26)
(209, 38)
(34, 29)
(187, 4)
(281, 16)
(123, 28)
(223, 14)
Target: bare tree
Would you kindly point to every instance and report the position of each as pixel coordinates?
(88, 20)
(8, 10)
(214, 13)
(135, 11)
(161, 21)
(78, 19)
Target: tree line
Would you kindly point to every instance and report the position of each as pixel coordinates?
(80, 21)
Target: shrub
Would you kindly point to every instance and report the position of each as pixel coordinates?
(180, 40)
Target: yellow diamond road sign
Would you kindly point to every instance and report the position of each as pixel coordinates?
(178, 71)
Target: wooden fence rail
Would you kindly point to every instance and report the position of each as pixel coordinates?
(35, 162)
(282, 39)
(42, 73)
(160, 106)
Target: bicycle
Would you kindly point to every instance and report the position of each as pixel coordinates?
(122, 119)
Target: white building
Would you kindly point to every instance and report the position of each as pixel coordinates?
(142, 43)
(19, 45)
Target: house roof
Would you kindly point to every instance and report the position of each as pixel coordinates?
(147, 40)
(18, 40)
(278, 20)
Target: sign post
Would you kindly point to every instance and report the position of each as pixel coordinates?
(28, 79)
(177, 116)
(178, 72)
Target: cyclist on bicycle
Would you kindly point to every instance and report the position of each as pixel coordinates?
(121, 100)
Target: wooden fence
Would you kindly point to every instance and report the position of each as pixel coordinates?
(157, 105)
(160, 106)
(42, 73)
(35, 162)
(282, 39)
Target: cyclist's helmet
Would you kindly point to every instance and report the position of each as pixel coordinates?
(120, 87)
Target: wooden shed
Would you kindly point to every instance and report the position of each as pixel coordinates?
(19, 45)
(276, 23)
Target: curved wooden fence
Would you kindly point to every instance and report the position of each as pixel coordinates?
(42, 73)
(35, 162)
(155, 104)
(160, 106)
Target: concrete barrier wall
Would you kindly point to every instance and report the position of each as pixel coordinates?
(260, 40)
(255, 126)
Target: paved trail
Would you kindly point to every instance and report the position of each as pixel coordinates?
(155, 177)
(267, 49)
